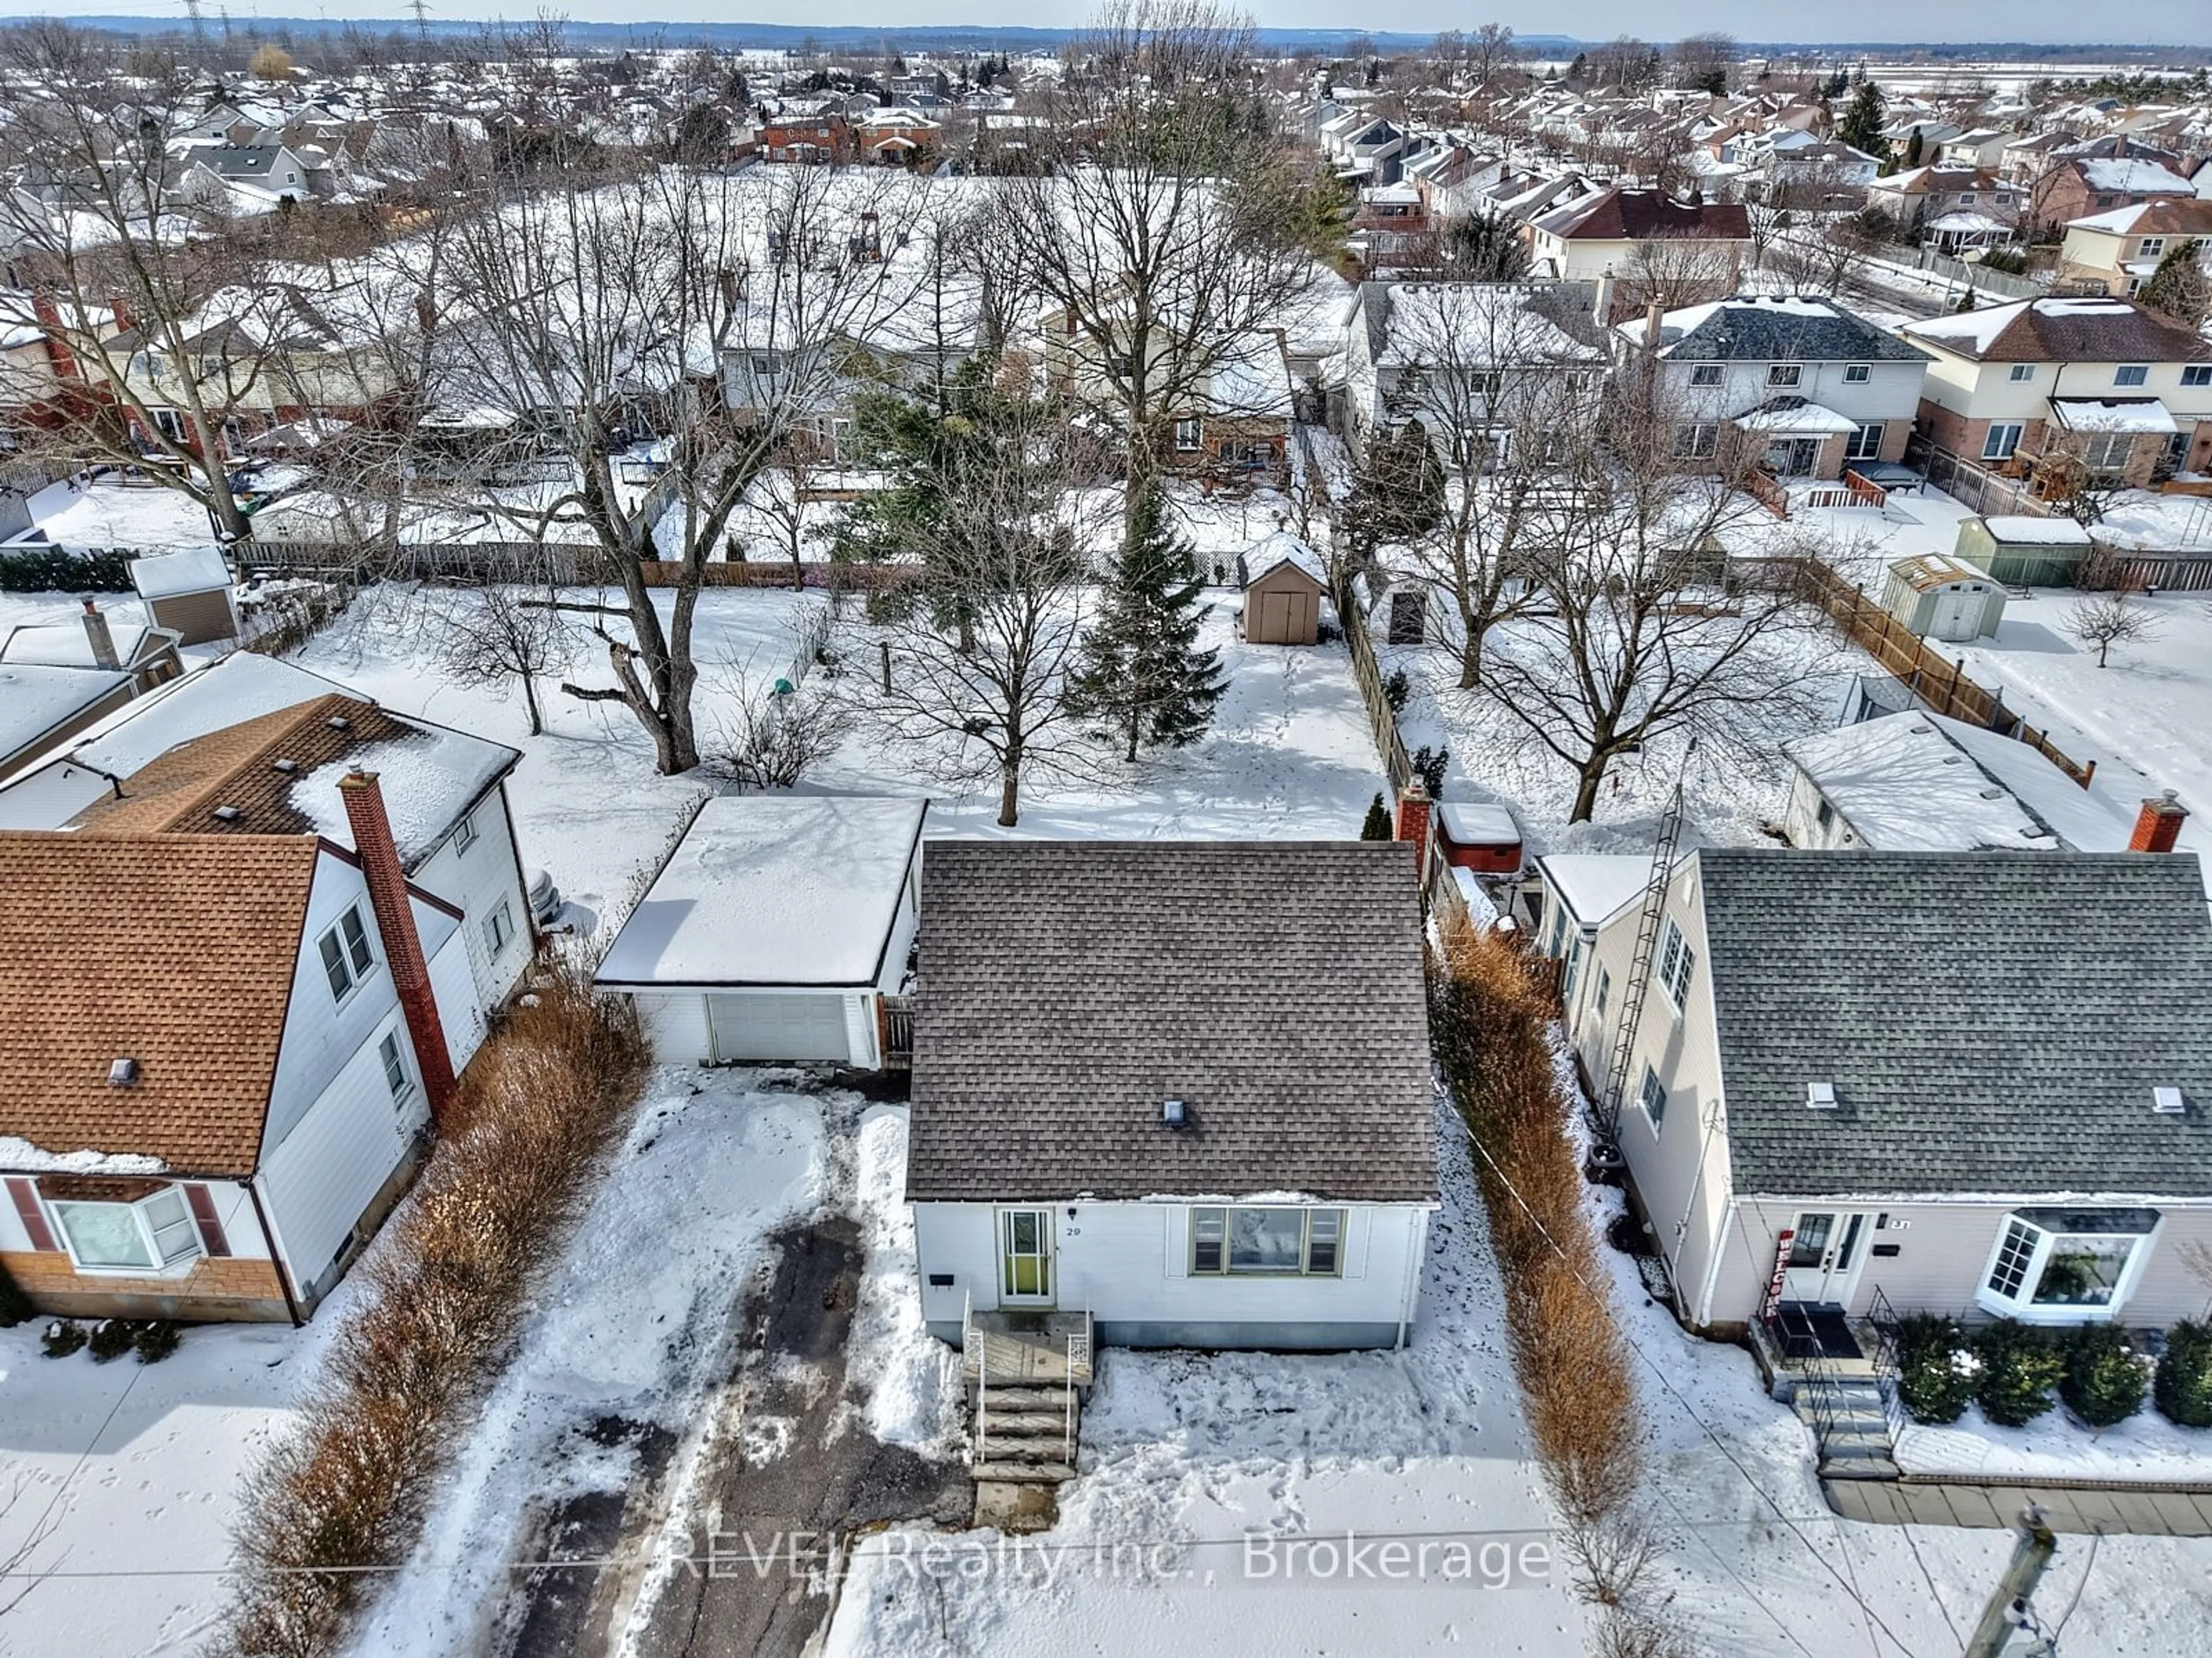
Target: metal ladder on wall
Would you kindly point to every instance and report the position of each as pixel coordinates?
(1640, 966)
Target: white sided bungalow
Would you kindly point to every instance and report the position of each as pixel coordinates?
(1175, 1094)
(779, 930)
(1975, 1082)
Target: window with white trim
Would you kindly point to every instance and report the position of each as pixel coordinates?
(346, 956)
(1705, 374)
(1653, 1095)
(465, 836)
(2196, 374)
(2132, 373)
(2066, 1266)
(1857, 373)
(1601, 994)
(2151, 248)
(1266, 1243)
(1696, 440)
(2023, 371)
(2108, 451)
(1187, 433)
(499, 927)
(1865, 444)
(1784, 373)
(395, 1069)
(1677, 961)
(2002, 439)
(153, 1233)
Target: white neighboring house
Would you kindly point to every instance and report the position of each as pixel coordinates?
(226, 1020)
(1844, 1081)
(275, 739)
(775, 930)
(1144, 1100)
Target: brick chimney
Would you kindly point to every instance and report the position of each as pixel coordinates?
(103, 642)
(1413, 810)
(403, 945)
(2158, 825)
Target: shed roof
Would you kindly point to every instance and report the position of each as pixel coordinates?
(170, 575)
(1992, 1022)
(1272, 552)
(125, 948)
(1069, 988)
(773, 889)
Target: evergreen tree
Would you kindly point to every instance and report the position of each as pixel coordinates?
(1861, 127)
(2180, 286)
(1377, 824)
(1140, 675)
(1397, 491)
(1912, 149)
(1578, 72)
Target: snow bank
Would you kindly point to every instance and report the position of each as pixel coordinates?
(911, 1378)
(2144, 1449)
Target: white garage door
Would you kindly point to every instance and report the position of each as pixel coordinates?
(779, 1027)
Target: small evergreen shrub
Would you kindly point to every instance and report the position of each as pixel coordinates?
(156, 1341)
(1377, 826)
(53, 570)
(1397, 690)
(1936, 1368)
(112, 1338)
(2183, 1388)
(1429, 766)
(2020, 1367)
(15, 1307)
(2105, 1374)
(62, 1337)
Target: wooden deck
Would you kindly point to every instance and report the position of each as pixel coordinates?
(1007, 1348)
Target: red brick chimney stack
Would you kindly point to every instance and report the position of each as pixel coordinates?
(1414, 810)
(2158, 825)
(403, 945)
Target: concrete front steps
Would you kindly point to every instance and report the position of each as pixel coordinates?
(1026, 1434)
(1850, 1422)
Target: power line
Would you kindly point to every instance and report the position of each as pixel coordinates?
(1873, 1617)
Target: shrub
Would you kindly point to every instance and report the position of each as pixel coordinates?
(2105, 1374)
(1377, 826)
(1429, 766)
(2183, 1389)
(2020, 1367)
(1935, 1368)
(15, 1307)
(112, 1338)
(156, 1341)
(63, 1338)
(54, 570)
(1397, 690)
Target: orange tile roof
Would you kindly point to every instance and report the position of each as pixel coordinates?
(173, 950)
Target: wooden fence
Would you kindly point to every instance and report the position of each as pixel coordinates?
(1381, 721)
(1975, 488)
(564, 564)
(1935, 679)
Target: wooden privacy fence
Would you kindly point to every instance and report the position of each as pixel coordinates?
(564, 564)
(1381, 721)
(1935, 679)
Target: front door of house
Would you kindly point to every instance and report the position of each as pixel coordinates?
(1026, 1257)
(1824, 1251)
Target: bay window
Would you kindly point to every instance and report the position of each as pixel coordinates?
(2066, 1266)
(1281, 1243)
(153, 1233)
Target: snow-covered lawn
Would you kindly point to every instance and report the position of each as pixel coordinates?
(128, 1474)
(1184, 1454)
(2146, 1448)
(2146, 719)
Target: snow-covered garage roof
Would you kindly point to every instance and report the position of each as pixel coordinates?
(773, 889)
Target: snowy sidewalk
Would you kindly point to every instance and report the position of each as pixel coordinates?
(1952, 1502)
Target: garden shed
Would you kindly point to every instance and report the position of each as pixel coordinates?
(775, 930)
(189, 592)
(2024, 552)
(1482, 838)
(1284, 582)
(1940, 596)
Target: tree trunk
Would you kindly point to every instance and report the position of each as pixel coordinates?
(1593, 774)
(1136, 728)
(1470, 657)
(530, 701)
(1010, 791)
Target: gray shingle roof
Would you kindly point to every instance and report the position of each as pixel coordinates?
(1069, 987)
(1992, 1022)
(1795, 330)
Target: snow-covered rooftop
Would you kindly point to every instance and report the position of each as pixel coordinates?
(2113, 415)
(166, 575)
(1905, 786)
(773, 889)
(1810, 419)
(1282, 548)
(34, 699)
(2039, 531)
(1596, 885)
(66, 644)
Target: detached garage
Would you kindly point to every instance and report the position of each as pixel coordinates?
(774, 931)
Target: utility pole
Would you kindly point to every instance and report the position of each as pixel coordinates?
(2008, 1607)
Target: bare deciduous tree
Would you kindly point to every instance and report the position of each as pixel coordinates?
(499, 634)
(2107, 620)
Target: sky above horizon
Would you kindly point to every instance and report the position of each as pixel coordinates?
(2048, 21)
